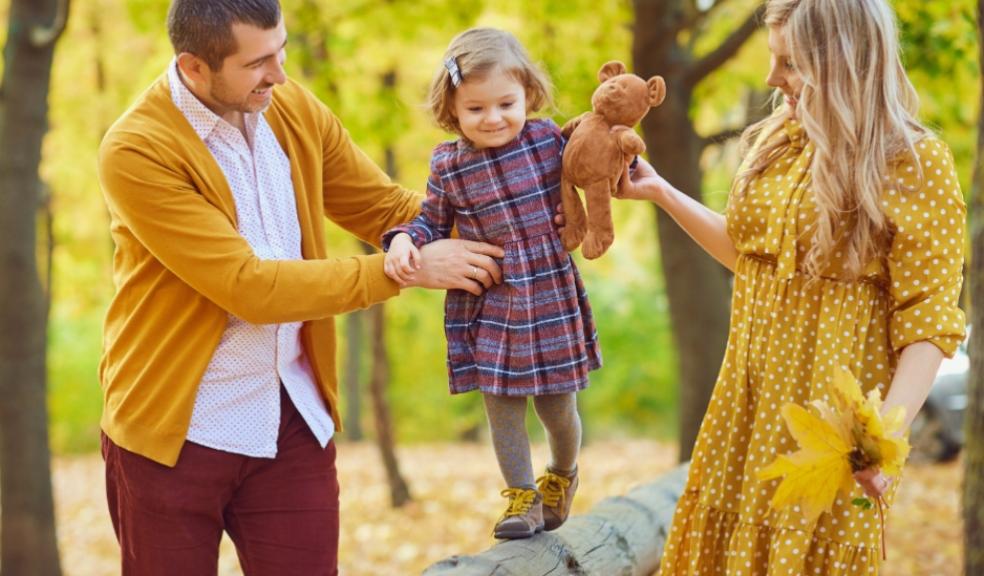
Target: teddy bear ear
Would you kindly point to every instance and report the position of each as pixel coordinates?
(657, 90)
(610, 70)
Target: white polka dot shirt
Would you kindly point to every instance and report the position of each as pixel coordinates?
(237, 408)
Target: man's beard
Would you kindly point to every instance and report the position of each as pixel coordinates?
(219, 95)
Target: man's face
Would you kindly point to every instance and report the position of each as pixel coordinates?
(245, 82)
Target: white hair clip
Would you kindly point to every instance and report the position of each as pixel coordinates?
(453, 71)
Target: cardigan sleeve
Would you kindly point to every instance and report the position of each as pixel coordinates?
(436, 218)
(157, 210)
(357, 194)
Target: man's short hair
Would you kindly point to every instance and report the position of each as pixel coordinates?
(204, 27)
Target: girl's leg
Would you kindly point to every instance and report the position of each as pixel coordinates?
(524, 514)
(507, 422)
(558, 413)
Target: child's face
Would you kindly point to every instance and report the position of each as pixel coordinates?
(491, 110)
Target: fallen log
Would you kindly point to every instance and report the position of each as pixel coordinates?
(620, 536)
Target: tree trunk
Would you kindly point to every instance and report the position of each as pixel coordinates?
(621, 535)
(696, 285)
(399, 491)
(379, 380)
(352, 377)
(27, 527)
(973, 494)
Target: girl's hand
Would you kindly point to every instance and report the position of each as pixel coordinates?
(873, 482)
(402, 260)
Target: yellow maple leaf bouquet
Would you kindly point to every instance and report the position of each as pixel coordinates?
(836, 439)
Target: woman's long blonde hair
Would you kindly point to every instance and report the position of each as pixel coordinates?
(858, 109)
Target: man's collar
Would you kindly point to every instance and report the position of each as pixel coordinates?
(202, 119)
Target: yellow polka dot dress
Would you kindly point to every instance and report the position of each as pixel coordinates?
(787, 334)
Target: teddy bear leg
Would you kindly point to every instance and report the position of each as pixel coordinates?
(623, 183)
(600, 229)
(575, 224)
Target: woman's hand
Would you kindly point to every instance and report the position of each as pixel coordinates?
(643, 183)
(873, 482)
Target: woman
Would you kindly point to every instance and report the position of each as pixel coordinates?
(845, 231)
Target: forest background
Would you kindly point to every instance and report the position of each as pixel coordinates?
(371, 62)
(661, 305)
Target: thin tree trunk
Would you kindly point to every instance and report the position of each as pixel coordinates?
(27, 527)
(696, 285)
(379, 380)
(352, 377)
(973, 493)
(399, 491)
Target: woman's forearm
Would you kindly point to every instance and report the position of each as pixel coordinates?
(913, 379)
(707, 227)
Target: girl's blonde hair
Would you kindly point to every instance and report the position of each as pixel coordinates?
(858, 109)
(477, 52)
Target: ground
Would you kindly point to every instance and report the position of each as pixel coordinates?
(456, 500)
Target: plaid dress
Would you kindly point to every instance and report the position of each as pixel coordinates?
(534, 333)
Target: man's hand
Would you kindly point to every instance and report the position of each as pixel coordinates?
(458, 264)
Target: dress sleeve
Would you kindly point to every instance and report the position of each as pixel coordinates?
(436, 216)
(357, 195)
(925, 262)
(556, 134)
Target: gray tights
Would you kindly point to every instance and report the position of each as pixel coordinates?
(507, 421)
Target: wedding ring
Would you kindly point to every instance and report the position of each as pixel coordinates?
(474, 273)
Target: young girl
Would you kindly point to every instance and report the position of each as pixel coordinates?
(533, 334)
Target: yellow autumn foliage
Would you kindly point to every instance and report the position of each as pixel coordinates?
(835, 440)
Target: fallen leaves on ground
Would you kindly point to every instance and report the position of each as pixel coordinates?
(456, 500)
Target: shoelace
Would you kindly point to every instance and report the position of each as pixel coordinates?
(553, 487)
(520, 501)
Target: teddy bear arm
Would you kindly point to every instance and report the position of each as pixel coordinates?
(572, 125)
(630, 143)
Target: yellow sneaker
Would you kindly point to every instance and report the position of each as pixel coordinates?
(558, 493)
(524, 515)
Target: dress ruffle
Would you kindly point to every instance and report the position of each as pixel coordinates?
(720, 543)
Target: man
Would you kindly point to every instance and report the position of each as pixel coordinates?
(220, 395)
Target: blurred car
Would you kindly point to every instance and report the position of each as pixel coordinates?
(937, 431)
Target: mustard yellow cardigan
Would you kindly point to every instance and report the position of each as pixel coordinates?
(180, 266)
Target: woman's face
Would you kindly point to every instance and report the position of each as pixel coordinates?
(782, 73)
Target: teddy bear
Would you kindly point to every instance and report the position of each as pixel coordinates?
(600, 144)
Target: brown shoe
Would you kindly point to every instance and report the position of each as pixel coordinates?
(558, 493)
(524, 515)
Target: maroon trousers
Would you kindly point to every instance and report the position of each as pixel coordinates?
(281, 513)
